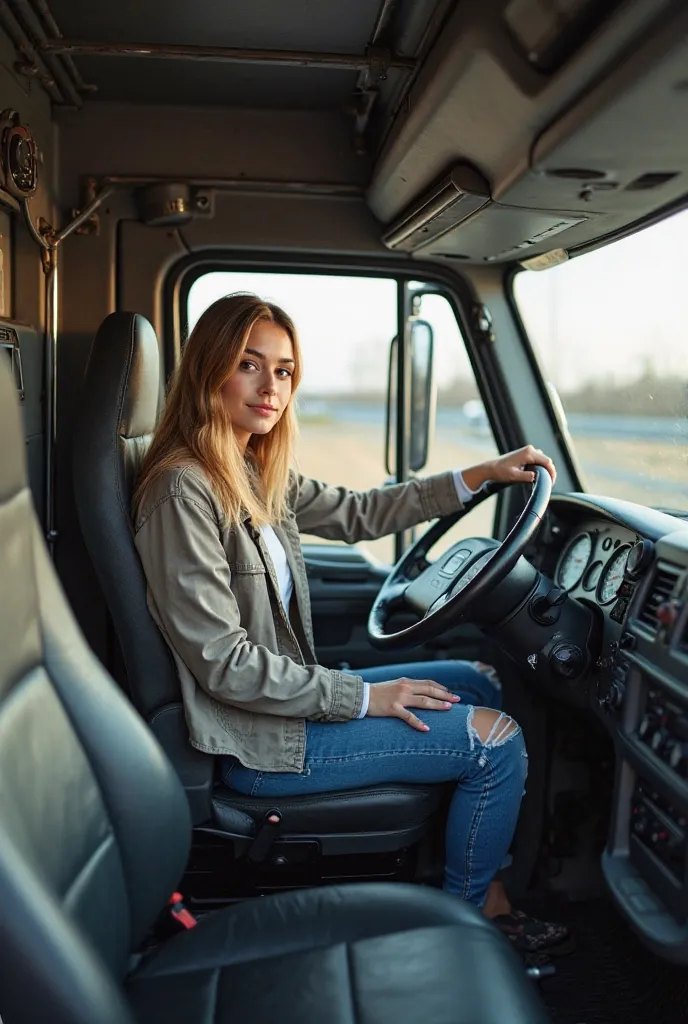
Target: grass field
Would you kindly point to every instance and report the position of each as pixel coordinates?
(351, 454)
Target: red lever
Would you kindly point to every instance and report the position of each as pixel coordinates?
(181, 913)
(667, 613)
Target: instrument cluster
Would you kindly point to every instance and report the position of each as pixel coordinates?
(594, 561)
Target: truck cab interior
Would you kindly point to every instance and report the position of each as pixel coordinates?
(476, 215)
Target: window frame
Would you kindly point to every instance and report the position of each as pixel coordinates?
(573, 464)
(489, 379)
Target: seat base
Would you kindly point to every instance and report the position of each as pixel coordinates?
(374, 809)
(219, 871)
(366, 834)
(360, 954)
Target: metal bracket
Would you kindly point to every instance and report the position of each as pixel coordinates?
(90, 226)
(49, 238)
(379, 61)
(482, 322)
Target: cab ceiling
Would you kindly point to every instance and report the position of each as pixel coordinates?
(569, 155)
(342, 26)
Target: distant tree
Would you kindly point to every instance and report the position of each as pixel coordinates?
(648, 395)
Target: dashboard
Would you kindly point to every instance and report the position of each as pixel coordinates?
(594, 561)
(628, 566)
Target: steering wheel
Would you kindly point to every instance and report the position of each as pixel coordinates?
(442, 591)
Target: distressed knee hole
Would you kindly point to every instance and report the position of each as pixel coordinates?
(492, 728)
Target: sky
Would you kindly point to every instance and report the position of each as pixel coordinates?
(601, 316)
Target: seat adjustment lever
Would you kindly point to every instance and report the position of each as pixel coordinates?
(267, 833)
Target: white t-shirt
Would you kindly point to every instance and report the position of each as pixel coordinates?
(278, 557)
(285, 579)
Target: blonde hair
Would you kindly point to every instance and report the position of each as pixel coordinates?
(196, 426)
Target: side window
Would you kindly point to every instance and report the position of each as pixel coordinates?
(463, 436)
(345, 327)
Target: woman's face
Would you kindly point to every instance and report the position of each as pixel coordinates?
(259, 390)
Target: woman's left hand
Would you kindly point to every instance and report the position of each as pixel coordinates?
(509, 469)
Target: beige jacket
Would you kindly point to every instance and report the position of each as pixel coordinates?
(248, 671)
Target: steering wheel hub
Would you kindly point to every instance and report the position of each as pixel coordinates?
(443, 592)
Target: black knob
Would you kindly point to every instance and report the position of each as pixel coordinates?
(609, 695)
(567, 660)
(675, 753)
(546, 607)
(615, 696)
(658, 739)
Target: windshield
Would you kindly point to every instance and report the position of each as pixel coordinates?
(610, 329)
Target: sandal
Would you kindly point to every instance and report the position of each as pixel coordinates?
(530, 935)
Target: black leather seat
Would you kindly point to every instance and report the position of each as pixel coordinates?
(117, 416)
(94, 835)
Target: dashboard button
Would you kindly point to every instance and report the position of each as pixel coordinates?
(567, 660)
(675, 753)
(658, 739)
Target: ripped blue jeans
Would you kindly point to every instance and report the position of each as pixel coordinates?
(490, 771)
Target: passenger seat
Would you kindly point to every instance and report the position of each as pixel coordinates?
(94, 837)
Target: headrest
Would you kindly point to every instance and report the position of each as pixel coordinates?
(122, 378)
(12, 459)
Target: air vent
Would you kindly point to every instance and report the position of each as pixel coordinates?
(652, 180)
(683, 639)
(453, 200)
(661, 590)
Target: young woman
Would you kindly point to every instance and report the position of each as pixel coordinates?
(217, 514)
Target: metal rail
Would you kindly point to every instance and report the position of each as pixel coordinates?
(227, 54)
(313, 188)
(31, 62)
(49, 241)
(53, 31)
(27, 15)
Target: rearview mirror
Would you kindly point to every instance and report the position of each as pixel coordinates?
(423, 396)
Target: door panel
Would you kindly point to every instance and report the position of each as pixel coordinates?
(343, 584)
(21, 348)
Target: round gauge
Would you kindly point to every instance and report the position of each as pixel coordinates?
(612, 576)
(639, 557)
(574, 561)
(592, 575)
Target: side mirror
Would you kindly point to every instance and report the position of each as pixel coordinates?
(423, 396)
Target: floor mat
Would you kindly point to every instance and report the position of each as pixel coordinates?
(611, 978)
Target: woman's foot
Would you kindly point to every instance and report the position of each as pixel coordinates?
(496, 902)
(528, 934)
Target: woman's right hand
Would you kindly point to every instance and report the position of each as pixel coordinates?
(393, 700)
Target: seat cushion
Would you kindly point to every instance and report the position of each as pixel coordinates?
(392, 807)
(343, 955)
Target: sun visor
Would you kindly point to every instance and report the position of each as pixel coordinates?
(453, 200)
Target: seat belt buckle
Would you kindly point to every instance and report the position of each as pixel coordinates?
(265, 836)
(180, 913)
